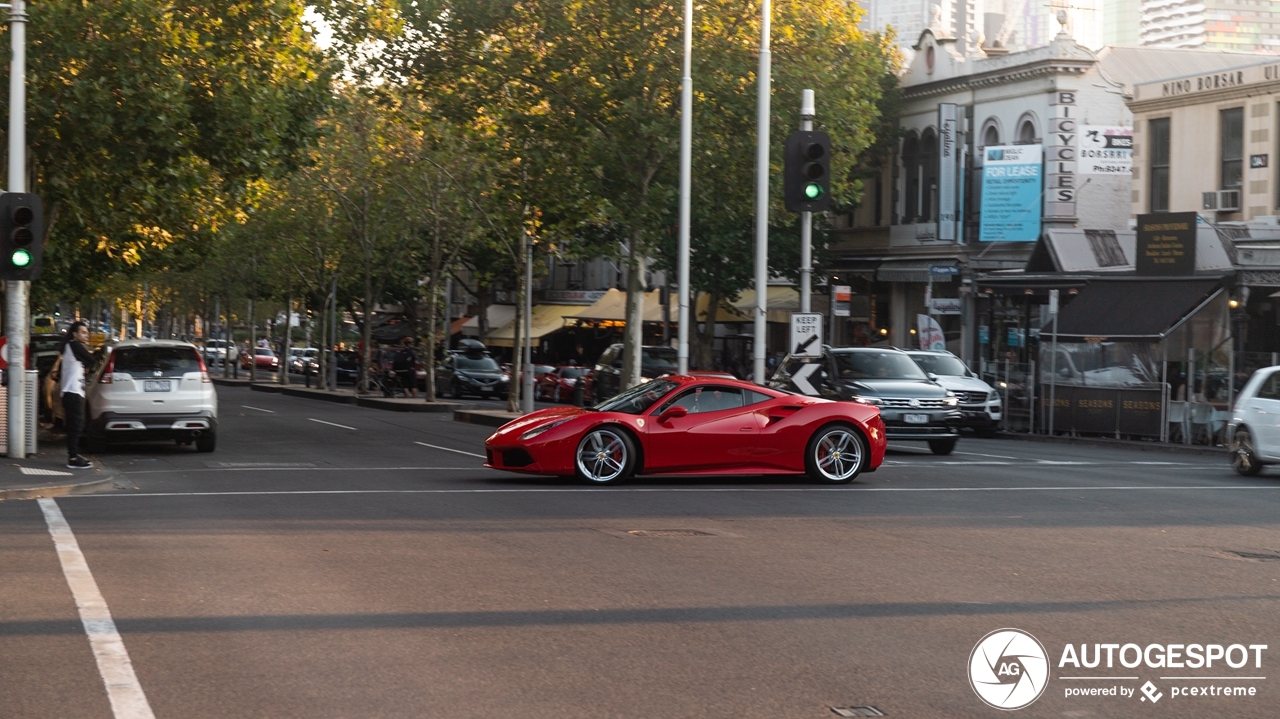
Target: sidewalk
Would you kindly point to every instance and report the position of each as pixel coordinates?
(1201, 450)
(45, 474)
(485, 417)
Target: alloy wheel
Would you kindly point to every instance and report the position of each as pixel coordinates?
(837, 455)
(1244, 458)
(603, 457)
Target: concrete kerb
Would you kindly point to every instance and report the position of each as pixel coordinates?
(346, 397)
(1122, 443)
(485, 417)
(102, 479)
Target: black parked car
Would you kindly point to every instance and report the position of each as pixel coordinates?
(471, 371)
(347, 367)
(912, 405)
(606, 376)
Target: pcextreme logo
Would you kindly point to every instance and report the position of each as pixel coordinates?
(1008, 669)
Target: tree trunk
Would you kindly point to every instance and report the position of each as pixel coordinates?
(633, 339)
(366, 331)
(287, 342)
(253, 340)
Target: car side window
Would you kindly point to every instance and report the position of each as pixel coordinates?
(1270, 387)
(753, 397)
(708, 399)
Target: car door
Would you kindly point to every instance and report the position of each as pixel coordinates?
(1262, 414)
(718, 432)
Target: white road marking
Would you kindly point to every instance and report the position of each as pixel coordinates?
(671, 490)
(450, 449)
(297, 469)
(1195, 678)
(123, 690)
(331, 424)
(268, 411)
(980, 454)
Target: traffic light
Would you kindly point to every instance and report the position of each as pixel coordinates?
(807, 173)
(21, 236)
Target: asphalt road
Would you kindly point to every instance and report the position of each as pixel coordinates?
(333, 561)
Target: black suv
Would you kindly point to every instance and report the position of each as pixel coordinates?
(606, 377)
(912, 405)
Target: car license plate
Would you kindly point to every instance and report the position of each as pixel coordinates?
(155, 385)
(915, 418)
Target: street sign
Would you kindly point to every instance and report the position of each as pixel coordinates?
(801, 378)
(1053, 303)
(806, 334)
(944, 270)
(840, 299)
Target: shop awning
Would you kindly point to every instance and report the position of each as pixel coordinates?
(914, 270)
(613, 308)
(1137, 309)
(456, 326)
(546, 319)
(780, 302)
(498, 315)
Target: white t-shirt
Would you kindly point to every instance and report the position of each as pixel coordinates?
(72, 372)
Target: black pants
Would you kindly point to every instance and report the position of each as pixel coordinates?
(73, 408)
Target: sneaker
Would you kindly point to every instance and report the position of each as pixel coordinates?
(79, 462)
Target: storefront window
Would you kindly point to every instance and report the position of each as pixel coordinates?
(929, 169)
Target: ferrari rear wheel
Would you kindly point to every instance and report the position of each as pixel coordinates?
(605, 456)
(835, 455)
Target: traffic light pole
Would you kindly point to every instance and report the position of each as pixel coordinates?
(806, 217)
(762, 197)
(686, 193)
(16, 291)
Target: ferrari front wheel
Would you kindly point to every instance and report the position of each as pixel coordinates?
(836, 455)
(605, 456)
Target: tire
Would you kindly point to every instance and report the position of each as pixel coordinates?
(1244, 458)
(836, 454)
(942, 446)
(455, 390)
(206, 443)
(605, 456)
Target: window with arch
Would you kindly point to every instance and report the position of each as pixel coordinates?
(1026, 130)
(928, 175)
(911, 174)
(991, 135)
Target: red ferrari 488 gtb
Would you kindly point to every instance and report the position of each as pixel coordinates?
(694, 425)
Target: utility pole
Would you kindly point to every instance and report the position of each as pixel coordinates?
(1053, 360)
(762, 198)
(806, 218)
(686, 194)
(17, 291)
(526, 379)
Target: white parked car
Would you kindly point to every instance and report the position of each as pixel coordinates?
(152, 390)
(215, 351)
(1254, 428)
(299, 356)
(980, 403)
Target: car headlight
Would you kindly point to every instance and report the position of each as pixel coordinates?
(951, 400)
(645, 379)
(873, 401)
(539, 430)
(993, 396)
(506, 377)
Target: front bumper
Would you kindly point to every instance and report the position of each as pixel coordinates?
(942, 424)
(116, 427)
(979, 416)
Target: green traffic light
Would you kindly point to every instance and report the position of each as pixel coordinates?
(20, 258)
(812, 191)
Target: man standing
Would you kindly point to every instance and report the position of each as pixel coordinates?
(76, 360)
(405, 366)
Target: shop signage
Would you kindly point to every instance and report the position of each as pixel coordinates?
(1166, 244)
(1105, 150)
(572, 297)
(806, 335)
(840, 300)
(1011, 179)
(945, 306)
(944, 270)
(1101, 411)
(948, 148)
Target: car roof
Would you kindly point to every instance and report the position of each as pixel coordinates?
(866, 349)
(729, 381)
(122, 344)
(938, 353)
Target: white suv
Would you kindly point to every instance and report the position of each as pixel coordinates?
(150, 390)
(1254, 428)
(979, 402)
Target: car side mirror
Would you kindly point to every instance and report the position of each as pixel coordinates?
(675, 411)
(932, 377)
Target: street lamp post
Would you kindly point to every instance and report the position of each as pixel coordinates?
(762, 197)
(686, 193)
(16, 291)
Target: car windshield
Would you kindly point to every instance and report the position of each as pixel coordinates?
(941, 365)
(264, 352)
(660, 359)
(45, 344)
(875, 364)
(167, 361)
(639, 398)
(572, 372)
(476, 363)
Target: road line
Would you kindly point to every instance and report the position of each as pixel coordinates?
(123, 690)
(671, 490)
(331, 424)
(450, 449)
(296, 469)
(980, 454)
(268, 411)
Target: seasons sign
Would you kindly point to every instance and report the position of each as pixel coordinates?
(1166, 244)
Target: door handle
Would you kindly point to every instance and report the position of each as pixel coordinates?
(746, 429)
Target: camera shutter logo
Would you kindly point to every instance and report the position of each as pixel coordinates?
(1008, 669)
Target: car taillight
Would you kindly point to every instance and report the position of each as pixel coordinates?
(108, 370)
(204, 371)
